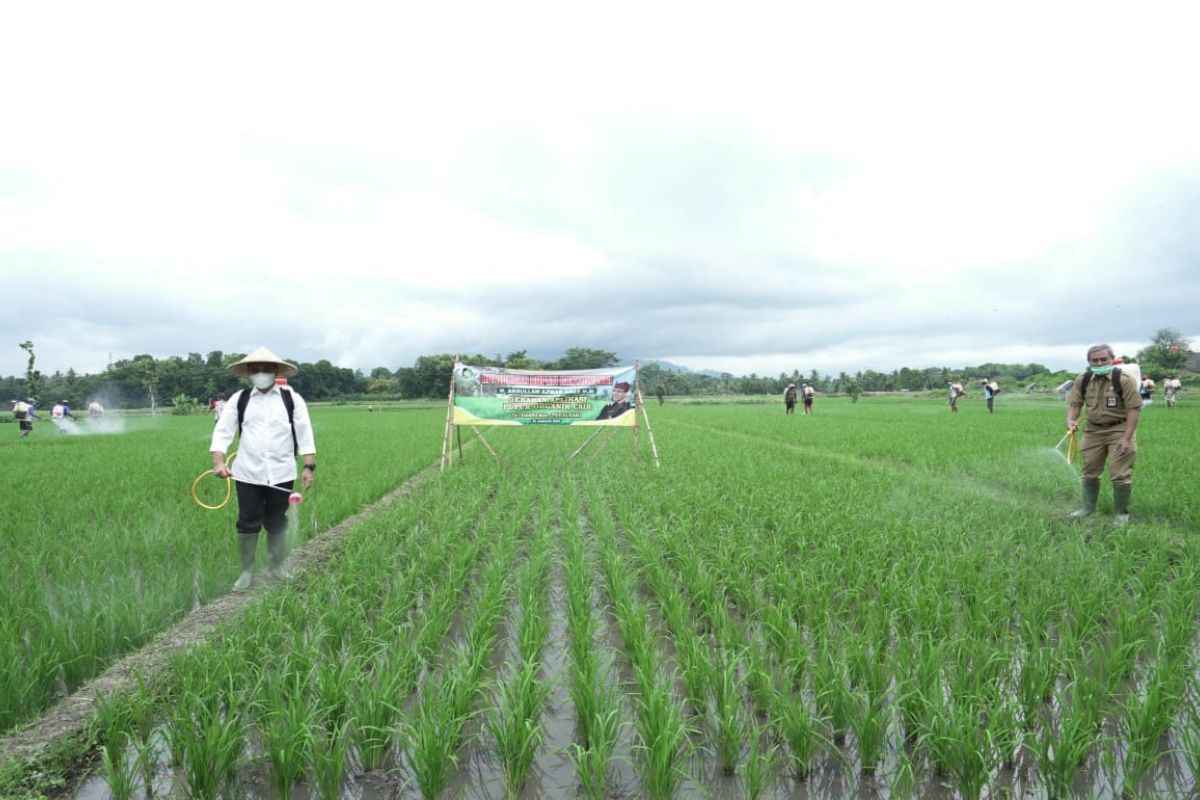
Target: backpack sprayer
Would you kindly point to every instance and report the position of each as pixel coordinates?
(294, 498)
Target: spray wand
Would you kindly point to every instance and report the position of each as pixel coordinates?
(294, 498)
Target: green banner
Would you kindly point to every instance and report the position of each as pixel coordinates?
(493, 396)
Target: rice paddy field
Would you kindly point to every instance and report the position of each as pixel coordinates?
(879, 600)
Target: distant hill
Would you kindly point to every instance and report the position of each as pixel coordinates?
(667, 366)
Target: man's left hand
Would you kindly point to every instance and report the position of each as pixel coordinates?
(306, 478)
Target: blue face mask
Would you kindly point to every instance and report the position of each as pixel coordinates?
(1101, 370)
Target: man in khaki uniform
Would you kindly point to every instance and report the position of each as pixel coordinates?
(1112, 418)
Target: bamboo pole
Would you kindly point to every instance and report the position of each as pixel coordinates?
(637, 403)
(603, 444)
(649, 430)
(579, 449)
(458, 438)
(449, 417)
(479, 433)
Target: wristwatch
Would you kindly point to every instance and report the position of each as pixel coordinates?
(311, 467)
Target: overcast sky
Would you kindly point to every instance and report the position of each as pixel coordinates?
(837, 186)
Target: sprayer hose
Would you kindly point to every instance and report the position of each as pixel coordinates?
(228, 487)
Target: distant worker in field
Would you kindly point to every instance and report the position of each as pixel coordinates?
(1112, 405)
(218, 407)
(789, 399)
(808, 393)
(59, 414)
(95, 409)
(273, 427)
(956, 391)
(662, 394)
(1146, 390)
(24, 413)
(1171, 387)
(619, 404)
(990, 390)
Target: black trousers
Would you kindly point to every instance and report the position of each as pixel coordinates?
(262, 507)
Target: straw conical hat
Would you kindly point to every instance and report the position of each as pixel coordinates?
(263, 356)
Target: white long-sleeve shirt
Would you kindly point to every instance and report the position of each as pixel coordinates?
(264, 453)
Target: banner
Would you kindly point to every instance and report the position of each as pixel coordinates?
(495, 396)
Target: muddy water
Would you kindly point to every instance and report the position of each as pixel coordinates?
(479, 778)
(553, 777)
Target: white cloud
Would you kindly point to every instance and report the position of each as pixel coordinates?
(780, 182)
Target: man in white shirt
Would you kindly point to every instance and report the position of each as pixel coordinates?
(274, 428)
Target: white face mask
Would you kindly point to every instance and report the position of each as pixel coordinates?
(262, 380)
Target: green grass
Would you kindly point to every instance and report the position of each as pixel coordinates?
(883, 586)
(104, 547)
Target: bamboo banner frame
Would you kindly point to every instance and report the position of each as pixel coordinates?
(479, 433)
(447, 453)
(455, 431)
(488, 396)
(447, 447)
(649, 430)
(586, 442)
(604, 444)
(639, 405)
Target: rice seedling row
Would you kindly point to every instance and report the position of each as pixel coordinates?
(434, 732)
(513, 722)
(660, 724)
(98, 560)
(850, 601)
(325, 681)
(971, 618)
(594, 692)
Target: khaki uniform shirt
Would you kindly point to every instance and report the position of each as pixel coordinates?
(1103, 408)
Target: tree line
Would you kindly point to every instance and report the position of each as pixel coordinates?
(144, 380)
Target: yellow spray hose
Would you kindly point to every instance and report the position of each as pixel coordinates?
(1072, 443)
(228, 487)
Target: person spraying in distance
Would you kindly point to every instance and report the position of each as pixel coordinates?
(59, 414)
(1171, 387)
(273, 424)
(956, 391)
(990, 390)
(25, 412)
(1113, 405)
(1146, 390)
